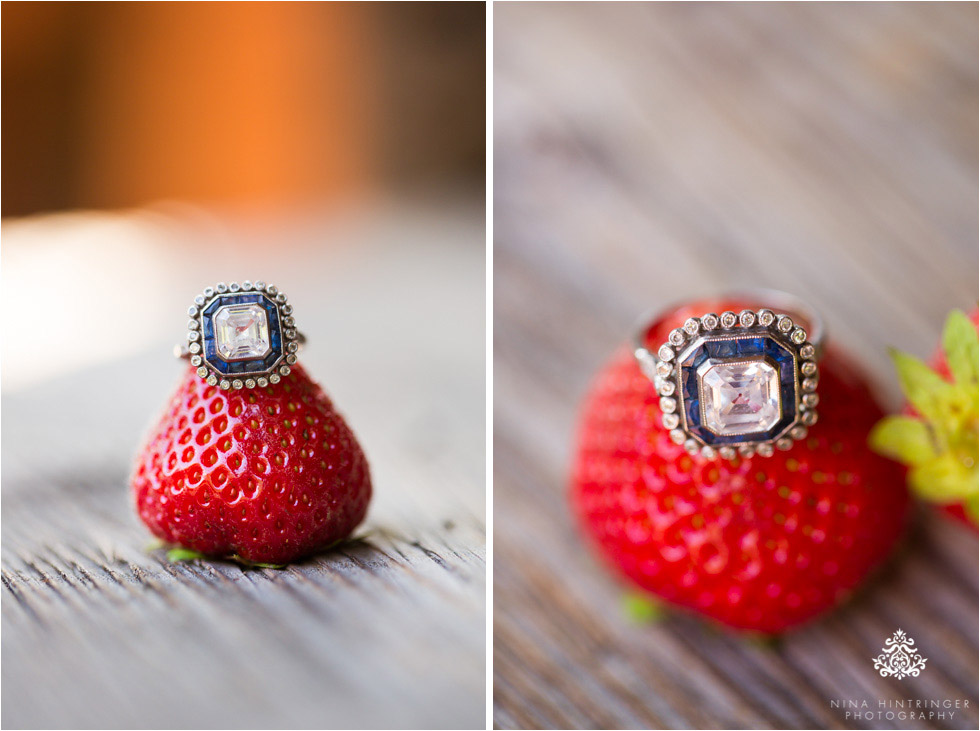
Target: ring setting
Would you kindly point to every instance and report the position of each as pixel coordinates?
(737, 383)
(241, 335)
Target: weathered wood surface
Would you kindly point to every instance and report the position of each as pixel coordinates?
(646, 153)
(387, 631)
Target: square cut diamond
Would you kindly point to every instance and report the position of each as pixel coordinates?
(740, 397)
(241, 332)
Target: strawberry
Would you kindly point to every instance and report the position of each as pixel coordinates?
(936, 437)
(757, 543)
(267, 475)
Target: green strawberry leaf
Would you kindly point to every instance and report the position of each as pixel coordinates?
(971, 506)
(245, 563)
(642, 608)
(903, 438)
(923, 387)
(184, 554)
(962, 348)
(944, 479)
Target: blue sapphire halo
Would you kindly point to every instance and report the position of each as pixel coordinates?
(737, 383)
(241, 335)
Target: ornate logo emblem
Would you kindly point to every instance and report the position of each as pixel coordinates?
(899, 658)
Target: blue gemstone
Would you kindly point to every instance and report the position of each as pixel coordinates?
(692, 408)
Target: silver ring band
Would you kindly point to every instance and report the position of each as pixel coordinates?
(183, 351)
(772, 299)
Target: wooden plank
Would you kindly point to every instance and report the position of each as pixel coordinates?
(646, 153)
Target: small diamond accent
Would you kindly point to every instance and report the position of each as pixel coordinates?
(246, 286)
(193, 324)
(677, 436)
(263, 382)
(766, 317)
(726, 452)
(291, 358)
(691, 446)
(665, 353)
(208, 291)
(784, 323)
(199, 300)
(249, 383)
(810, 400)
(233, 287)
(194, 347)
(281, 298)
(212, 380)
(221, 287)
(809, 418)
(225, 385)
(798, 432)
(274, 378)
(202, 372)
(668, 405)
(808, 351)
(808, 368)
(691, 326)
(746, 318)
(809, 384)
(664, 368)
(728, 319)
(667, 388)
(192, 310)
(196, 360)
(764, 450)
(237, 384)
(746, 450)
(709, 321)
(798, 336)
(671, 421)
(272, 289)
(287, 309)
(784, 444)
(193, 335)
(284, 370)
(676, 337)
(708, 452)
(260, 285)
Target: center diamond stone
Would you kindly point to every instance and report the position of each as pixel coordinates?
(740, 397)
(241, 332)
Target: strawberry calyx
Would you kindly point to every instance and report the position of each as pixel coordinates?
(939, 440)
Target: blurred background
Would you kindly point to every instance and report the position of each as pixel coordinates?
(150, 150)
(646, 153)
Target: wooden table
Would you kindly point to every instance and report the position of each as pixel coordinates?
(651, 152)
(101, 631)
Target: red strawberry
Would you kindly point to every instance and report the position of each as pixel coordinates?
(937, 434)
(267, 475)
(756, 543)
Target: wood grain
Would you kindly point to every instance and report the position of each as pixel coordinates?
(651, 152)
(388, 631)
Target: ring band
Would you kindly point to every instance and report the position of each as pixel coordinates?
(184, 351)
(740, 382)
(241, 335)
